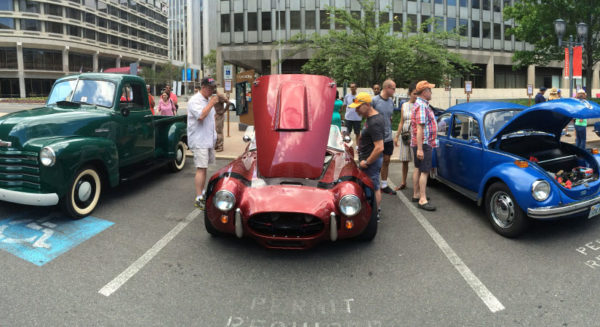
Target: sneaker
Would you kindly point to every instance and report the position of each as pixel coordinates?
(388, 190)
(426, 206)
(200, 203)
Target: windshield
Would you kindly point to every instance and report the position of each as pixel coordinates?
(335, 141)
(100, 93)
(495, 120)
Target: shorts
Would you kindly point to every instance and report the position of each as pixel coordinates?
(373, 171)
(424, 165)
(388, 148)
(203, 157)
(353, 125)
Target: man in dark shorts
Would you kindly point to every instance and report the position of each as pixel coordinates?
(352, 119)
(384, 104)
(423, 140)
(370, 145)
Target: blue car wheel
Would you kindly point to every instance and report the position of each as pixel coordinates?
(505, 215)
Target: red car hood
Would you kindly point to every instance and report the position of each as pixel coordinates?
(292, 115)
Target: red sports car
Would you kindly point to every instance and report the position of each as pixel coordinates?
(297, 183)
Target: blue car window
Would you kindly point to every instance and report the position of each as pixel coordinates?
(495, 120)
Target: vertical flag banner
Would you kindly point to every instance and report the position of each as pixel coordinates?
(566, 70)
(577, 60)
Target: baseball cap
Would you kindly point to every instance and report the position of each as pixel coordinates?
(422, 85)
(543, 88)
(362, 97)
(580, 91)
(208, 81)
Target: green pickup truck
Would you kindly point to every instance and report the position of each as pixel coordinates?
(96, 130)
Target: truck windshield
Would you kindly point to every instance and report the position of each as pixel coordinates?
(100, 93)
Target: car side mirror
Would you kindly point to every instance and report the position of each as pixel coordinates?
(474, 139)
(124, 107)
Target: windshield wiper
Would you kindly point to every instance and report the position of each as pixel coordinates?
(87, 103)
(68, 103)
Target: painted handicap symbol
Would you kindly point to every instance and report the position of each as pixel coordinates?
(40, 238)
(37, 241)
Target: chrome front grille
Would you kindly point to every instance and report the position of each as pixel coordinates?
(19, 169)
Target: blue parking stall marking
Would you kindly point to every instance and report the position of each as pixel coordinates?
(39, 240)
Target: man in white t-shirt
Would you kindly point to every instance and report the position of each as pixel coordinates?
(201, 134)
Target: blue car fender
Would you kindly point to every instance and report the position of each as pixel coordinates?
(519, 181)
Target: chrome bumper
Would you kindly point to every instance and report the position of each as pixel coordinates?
(563, 210)
(33, 199)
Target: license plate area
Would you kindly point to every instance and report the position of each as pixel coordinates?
(594, 211)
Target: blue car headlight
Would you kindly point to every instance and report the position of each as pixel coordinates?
(540, 190)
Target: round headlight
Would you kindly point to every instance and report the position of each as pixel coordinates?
(349, 205)
(47, 156)
(540, 190)
(224, 200)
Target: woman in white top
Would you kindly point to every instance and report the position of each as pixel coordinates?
(404, 126)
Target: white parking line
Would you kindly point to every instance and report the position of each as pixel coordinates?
(114, 285)
(480, 289)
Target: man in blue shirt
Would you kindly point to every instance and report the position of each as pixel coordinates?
(539, 98)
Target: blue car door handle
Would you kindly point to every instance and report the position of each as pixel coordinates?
(449, 145)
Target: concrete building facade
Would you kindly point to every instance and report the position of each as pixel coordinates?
(248, 31)
(42, 40)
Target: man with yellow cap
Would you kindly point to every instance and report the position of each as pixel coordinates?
(370, 146)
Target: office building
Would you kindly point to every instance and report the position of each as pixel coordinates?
(43, 40)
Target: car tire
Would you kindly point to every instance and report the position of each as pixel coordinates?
(177, 164)
(371, 230)
(83, 194)
(503, 212)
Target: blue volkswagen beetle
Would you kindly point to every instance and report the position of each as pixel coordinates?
(510, 159)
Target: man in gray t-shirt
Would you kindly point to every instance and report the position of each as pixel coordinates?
(384, 104)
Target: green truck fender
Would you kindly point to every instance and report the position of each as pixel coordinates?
(177, 132)
(74, 153)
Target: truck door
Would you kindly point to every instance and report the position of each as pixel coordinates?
(136, 132)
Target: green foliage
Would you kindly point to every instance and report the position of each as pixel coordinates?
(535, 25)
(210, 62)
(369, 54)
(163, 75)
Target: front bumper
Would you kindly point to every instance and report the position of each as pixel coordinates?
(570, 209)
(33, 199)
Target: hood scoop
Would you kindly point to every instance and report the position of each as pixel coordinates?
(292, 115)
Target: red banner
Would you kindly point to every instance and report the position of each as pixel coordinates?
(566, 70)
(577, 55)
(577, 61)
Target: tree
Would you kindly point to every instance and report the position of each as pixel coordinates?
(535, 24)
(369, 53)
(163, 75)
(210, 63)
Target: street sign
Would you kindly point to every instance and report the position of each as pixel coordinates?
(530, 89)
(227, 85)
(227, 71)
(468, 87)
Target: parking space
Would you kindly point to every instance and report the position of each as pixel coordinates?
(403, 277)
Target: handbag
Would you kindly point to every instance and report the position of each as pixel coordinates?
(405, 137)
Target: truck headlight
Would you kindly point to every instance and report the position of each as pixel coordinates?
(47, 156)
(349, 205)
(224, 200)
(540, 190)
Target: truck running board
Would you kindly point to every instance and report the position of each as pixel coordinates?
(139, 171)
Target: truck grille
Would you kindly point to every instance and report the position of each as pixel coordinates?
(284, 224)
(19, 169)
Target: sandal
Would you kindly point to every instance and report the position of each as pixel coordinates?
(427, 206)
(417, 199)
(401, 187)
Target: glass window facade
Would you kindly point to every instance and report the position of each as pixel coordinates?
(7, 23)
(324, 19)
(31, 25)
(266, 21)
(8, 58)
(225, 25)
(252, 21)
(39, 59)
(29, 6)
(6, 5)
(295, 20)
(52, 27)
(80, 62)
(310, 20)
(238, 22)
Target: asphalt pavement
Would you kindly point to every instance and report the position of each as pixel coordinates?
(442, 268)
(155, 265)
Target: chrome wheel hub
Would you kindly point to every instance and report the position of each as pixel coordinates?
(503, 209)
(85, 191)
